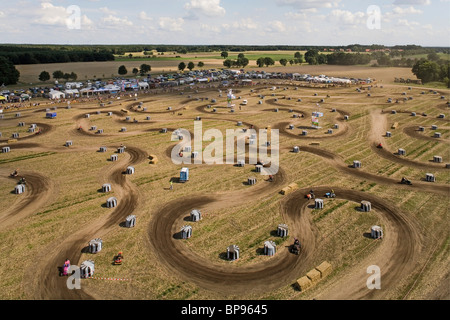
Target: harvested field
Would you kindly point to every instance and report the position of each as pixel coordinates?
(63, 207)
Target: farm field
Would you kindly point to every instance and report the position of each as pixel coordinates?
(63, 206)
(29, 74)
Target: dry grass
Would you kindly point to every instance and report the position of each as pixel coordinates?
(79, 172)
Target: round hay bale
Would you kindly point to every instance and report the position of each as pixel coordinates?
(111, 202)
(366, 206)
(270, 248)
(233, 252)
(19, 189)
(196, 215)
(130, 221)
(318, 204)
(430, 177)
(282, 230)
(376, 232)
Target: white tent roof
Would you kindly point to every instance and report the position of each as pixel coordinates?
(56, 94)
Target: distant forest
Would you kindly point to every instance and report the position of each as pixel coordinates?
(52, 54)
(37, 54)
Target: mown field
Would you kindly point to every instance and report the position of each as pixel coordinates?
(76, 207)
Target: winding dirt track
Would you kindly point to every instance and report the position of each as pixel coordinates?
(379, 126)
(38, 191)
(284, 268)
(45, 129)
(385, 111)
(414, 132)
(49, 285)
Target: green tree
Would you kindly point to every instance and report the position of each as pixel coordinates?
(312, 56)
(260, 62)
(228, 63)
(433, 56)
(145, 68)
(242, 62)
(8, 72)
(427, 71)
(201, 64)
(322, 59)
(298, 55)
(135, 71)
(268, 61)
(384, 60)
(122, 70)
(66, 76)
(182, 66)
(58, 75)
(241, 55)
(130, 56)
(74, 76)
(224, 54)
(44, 76)
(283, 62)
(291, 62)
(191, 66)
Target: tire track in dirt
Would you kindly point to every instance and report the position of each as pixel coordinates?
(376, 135)
(45, 129)
(385, 111)
(414, 132)
(49, 284)
(38, 191)
(337, 162)
(279, 271)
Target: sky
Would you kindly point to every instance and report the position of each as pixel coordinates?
(226, 22)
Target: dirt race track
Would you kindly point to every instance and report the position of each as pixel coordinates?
(284, 270)
(400, 254)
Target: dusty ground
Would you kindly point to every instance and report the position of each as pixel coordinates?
(62, 209)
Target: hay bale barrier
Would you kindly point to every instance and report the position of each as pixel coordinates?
(304, 283)
(186, 232)
(111, 202)
(87, 269)
(376, 232)
(95, 246)
(233, 253)
(282, 230)
(325, 269)
(196, 215)
(130, 222)
(366, 206)
(106, 188)
(19, 189)
(314, 276)
(270, 248)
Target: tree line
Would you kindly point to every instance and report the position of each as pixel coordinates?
(431, 70)
(40, 55)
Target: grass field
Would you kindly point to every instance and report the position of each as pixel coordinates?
(74, 211)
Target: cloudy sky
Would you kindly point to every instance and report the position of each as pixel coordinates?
(240, 22)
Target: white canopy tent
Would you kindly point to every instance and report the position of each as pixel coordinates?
(56, 95)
